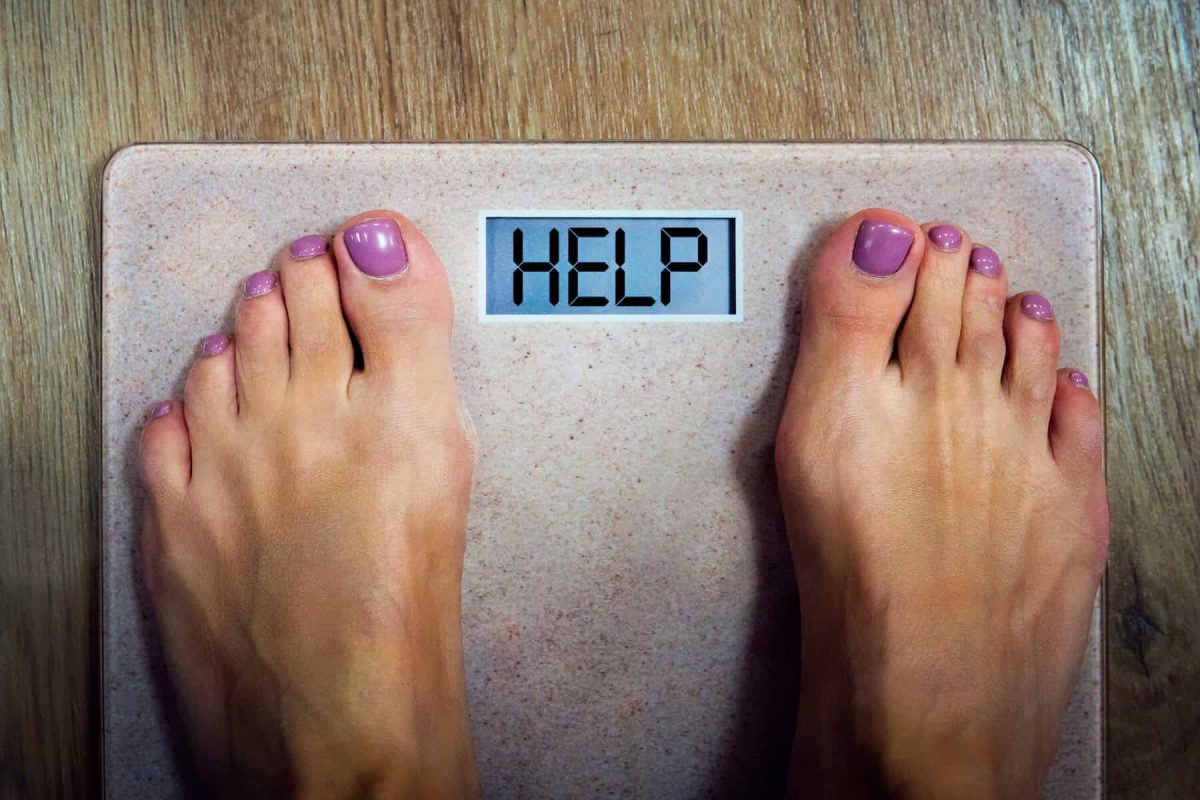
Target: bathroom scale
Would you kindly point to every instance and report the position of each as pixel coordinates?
(629, 611)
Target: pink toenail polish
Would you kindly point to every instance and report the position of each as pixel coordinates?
(161, 409)
(985, 261)
(377, 248)
(881, 247)
(309, 247)
(214, 345)
(1037, 307)
(946, 238)
(1078, 378)
(259, 283)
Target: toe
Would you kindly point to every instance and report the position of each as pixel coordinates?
(859, 288)
(321, 352)
(210, 395)
(395, 293)
(262, 343)
(1076, 426)
(165, 453)
(1033, 343)
(929, 340)
(1077, 443)
(981, 346)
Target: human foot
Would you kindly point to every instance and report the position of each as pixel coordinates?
(305, 528)
(945, 501)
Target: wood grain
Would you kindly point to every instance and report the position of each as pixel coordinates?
(81, 80)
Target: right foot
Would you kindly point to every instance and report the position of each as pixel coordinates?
(945, 501)
(305, 528)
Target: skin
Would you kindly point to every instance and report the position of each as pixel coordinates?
(304, 538)
(305, 526)
(944, 495)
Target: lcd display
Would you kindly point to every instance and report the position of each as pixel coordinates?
(611, 263)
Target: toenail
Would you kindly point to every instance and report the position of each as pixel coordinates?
(881, 247)
(946, 238)
(377, 248)
(259, 283)
(1037, 307)
(309, 247)
(161, 409)
(214, 344)
(1078, 378)
(985, 261)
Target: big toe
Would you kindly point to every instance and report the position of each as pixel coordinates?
(859, 288)
(395, 294)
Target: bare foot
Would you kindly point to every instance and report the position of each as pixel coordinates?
(945, 501)
(305, 529)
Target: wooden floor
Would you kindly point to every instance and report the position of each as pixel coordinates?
(80, 81)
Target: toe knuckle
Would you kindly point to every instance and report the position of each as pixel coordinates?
(939, 330)
(987, 349)
(993, 303)
(409, 312)
(853, 318)
(319, 342)
(1042, 343)
(1039, 389)
(1089, 440)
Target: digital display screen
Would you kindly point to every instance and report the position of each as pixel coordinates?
(611, 264)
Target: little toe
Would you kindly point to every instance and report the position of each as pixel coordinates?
(859, 288)
(321, 352)
(395, 293)
(165, 452)
(1077, 443)
(929, 340)
(981, 346)
(210, 394)
(262, 338)
(1076, 425)
(1033, 344)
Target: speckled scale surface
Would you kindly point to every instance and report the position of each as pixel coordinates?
(629, 613)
